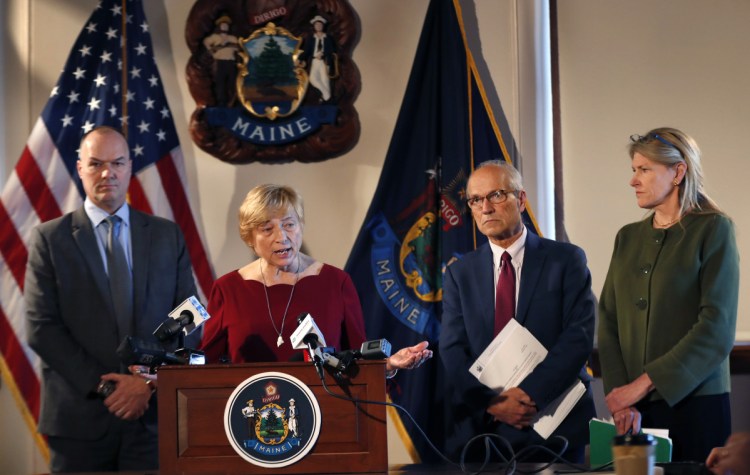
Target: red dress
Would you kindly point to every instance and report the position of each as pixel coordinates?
(241, 328)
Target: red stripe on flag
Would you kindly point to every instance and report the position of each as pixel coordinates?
(175, 193)
(32, 180)
(137, 197)
(12, 247)
(23, 374)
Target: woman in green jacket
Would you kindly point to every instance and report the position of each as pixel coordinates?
(669, 304)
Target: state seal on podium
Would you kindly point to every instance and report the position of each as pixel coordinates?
(272, 420)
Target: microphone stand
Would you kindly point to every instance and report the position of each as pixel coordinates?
(317, 362)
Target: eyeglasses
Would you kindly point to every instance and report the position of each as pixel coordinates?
(635, 138)
(495, 197)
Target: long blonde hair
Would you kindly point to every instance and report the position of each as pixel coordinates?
(670, 147)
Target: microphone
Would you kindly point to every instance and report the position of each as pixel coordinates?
(170, 327)
(311, 340)
(331, 360)
(305, 327)
(370, 350)
(375, 349)
(192, 305)
(186, 317)
(308, 335)
(135, 351)
(318, 353)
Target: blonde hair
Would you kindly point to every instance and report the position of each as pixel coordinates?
(670, 147)
(262, 203)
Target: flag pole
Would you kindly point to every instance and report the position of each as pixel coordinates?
(124, 88)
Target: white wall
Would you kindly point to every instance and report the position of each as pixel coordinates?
(628, 67)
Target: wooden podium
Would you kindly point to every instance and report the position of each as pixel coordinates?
(192, 439)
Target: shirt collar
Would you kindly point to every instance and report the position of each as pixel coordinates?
(97, 215)
(515, 250)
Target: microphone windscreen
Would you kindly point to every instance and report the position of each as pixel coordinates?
(196, 309)
(186, 317)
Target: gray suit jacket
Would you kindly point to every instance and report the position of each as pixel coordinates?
(70, 320)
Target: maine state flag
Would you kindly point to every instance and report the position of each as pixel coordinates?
(418, 221)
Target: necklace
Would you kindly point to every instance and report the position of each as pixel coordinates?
(280, 339)
(666, 225)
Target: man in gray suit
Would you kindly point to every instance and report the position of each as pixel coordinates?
(71, 320)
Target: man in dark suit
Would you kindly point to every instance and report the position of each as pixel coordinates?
(71, 320)
(553, 300)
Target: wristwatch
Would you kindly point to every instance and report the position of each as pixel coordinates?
(105, 388)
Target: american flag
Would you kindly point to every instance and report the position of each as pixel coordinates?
(110, 78)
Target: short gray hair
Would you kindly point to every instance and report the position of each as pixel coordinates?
(514, 176)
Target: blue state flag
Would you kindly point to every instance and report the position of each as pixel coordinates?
(418, 221)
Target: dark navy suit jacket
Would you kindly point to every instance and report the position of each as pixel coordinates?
(555, 304)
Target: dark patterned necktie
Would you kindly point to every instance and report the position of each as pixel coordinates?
(120, 280)
(505, 296)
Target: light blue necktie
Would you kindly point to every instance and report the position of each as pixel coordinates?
(120, 280)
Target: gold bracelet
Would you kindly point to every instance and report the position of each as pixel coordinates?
(151, 386)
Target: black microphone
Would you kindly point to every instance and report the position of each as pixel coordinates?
(171, 327)
(370, 350)
(312, 342)
(317, 356)
(135, 351)
(308, 335)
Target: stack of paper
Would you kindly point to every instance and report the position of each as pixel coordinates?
(511, 356)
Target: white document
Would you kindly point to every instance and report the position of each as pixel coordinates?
(547, 421)
(513, 355)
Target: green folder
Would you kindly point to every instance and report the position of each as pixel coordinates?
(601, 434)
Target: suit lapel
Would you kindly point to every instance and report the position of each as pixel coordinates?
(533, 262)
(83, 235)
(140, 242)
(485, 283)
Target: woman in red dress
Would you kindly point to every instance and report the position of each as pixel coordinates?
(254, 308)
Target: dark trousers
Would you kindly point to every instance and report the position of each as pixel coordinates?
(127, 446)
(696, 425)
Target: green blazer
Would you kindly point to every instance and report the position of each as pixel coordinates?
(669, 307)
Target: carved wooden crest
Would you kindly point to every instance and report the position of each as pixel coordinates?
(273, 81)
